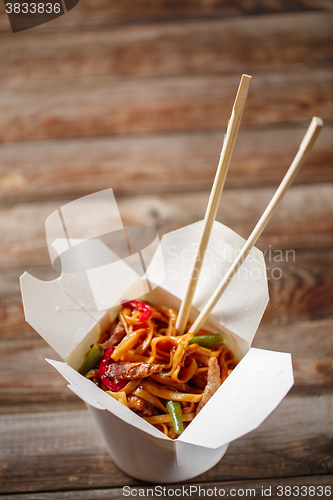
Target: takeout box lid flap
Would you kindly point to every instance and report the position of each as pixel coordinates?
(62, 311)
(245, 399)
(243, 304)
(90, 393)
(56, 316)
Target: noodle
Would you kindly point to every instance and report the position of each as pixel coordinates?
(168, 394)
(167, 418)
(147, 367)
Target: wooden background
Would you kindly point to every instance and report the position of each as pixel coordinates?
(136, 95)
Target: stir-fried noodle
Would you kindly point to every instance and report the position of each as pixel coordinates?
(164, 378)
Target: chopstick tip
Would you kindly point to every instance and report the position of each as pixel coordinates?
(318, 122)
(311, 135)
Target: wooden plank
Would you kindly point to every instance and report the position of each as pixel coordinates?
(304, 219)
(302, 289)
(200, 47)
(45, 452)
(91, 14)
(27, 400)
(107, 105)
(310, 345)
(55, 169)
(246, 489)
(300, 285)
(13, 324)
(28, 384)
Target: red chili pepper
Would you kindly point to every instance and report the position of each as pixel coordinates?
(140, 306)
(103, 366)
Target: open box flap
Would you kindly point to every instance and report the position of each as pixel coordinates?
(245, 399)
(252, 391)
(241, 308)
(55, 315)
(82, 395)
(79, 287)
(63, 310)
(75, 221)
(89, 392)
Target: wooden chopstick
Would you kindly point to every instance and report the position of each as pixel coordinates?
(214, 200)
(306, 145)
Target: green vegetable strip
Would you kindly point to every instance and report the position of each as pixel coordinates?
(93, 358)
(175, 410)
(209, 341)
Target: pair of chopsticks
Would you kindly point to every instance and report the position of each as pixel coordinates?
(214, 199)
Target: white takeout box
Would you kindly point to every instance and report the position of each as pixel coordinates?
(62, 313)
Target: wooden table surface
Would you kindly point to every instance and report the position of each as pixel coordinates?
(136, 96)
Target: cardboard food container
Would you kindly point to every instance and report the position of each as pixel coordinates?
(65, 313)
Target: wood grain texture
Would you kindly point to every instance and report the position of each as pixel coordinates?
(55, 169)
(304, 219)
(199, 47)
(305, 289)
(29, 384)
(311, 348)
(296, 440)
(108, 105)
(247, 490)
(92, 14)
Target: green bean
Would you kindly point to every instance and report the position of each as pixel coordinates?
(175, 410)
(209, 341)
(93, 358)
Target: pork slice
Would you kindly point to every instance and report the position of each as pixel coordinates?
(129, 370)
(213, 383)
(138, 404)
(116, 336)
